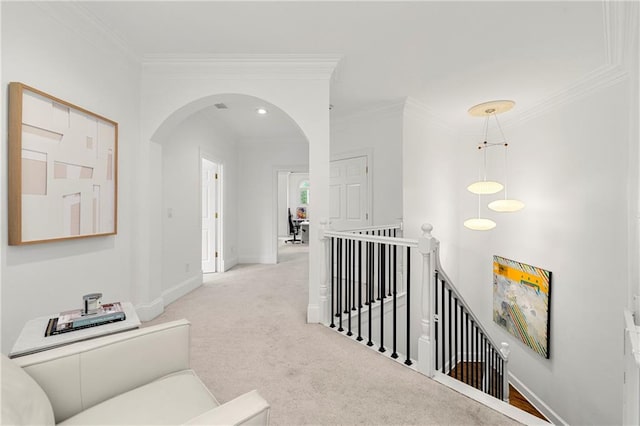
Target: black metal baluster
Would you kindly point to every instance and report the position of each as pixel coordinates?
(395, 330)
(388, 260)
(436, 318)
(367, 275)
(466, 346)
(455, 335)
(493, 376)
(501, 378)
(359, 338)
(491, 370)
(475, 359)
(340, 283)
(461, 363)
(381, 277)
(347, 271)
(486, 365)
(471, 363)
(370, 258)
(483, 346)
(498, 376)
(449, 326)
(380, 293)
(333, 282)
(442, 324)
(349, 283)
(469, 346)
(353, 275)
(478, 365)
(346, 278)
(407, 361)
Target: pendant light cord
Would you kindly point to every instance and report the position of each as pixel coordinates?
(506, 172)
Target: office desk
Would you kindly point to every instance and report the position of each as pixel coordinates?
(304, 231)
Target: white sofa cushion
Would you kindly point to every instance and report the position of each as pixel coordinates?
(173, 399)
(23, 401)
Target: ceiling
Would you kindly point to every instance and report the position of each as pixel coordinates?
(447, 55)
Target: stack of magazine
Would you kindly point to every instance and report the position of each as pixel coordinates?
(77, 319)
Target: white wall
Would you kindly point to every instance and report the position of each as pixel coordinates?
(431, 175)
(570, 167)
(41, 48)
(283, 202)
(182, 232)
(257, 182)
(378, 132)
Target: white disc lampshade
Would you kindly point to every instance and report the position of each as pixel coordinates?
(479, 224)
(485, 187)
(506, 206)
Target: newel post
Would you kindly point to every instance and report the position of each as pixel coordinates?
(505, 371)
(324, 271)
(426, 346)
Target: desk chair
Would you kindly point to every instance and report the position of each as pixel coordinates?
(294, 229)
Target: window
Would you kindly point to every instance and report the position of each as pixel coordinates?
(304, 192)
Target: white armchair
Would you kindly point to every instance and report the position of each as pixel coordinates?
(140, 377)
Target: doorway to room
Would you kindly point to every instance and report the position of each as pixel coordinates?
(292, 211)
(211, 174)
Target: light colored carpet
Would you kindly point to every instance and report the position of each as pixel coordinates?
(249, 332)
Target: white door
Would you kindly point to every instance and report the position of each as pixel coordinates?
(349, 193)
(209, 216)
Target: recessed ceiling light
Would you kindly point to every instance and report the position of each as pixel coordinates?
(261, 111)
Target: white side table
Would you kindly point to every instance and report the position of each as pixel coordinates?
(32, 339)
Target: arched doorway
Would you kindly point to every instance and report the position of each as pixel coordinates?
(230, 131)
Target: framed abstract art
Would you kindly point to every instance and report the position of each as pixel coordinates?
(521, 301)
(63, 172)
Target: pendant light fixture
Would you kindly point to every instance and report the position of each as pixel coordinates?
(479, 223)
(483, 186)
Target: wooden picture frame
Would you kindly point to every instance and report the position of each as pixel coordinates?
(63, 169)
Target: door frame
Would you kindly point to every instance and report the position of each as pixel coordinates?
(364, 152)
(205, 155)
(299, 168)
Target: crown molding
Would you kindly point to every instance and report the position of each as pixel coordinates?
(234, 66)
(418, 109)
(378, 110)
(87, 26)
(602, 77)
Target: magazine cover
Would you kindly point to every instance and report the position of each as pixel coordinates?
(75, 320)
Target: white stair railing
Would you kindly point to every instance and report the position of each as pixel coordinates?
(454, 341)
(365, 281)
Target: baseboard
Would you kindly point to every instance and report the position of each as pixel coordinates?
(535, 401)
(177, 291)
(226, 265)
(148, 311)
(491, 402)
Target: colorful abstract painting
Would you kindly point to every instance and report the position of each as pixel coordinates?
(521, 296)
